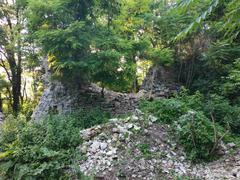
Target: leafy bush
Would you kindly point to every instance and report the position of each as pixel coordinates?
(88, 118)
(162, 56)
(44, 150)
(166, 110)
(213, 106)
(196, 130)
(198, 135)
(28, 108)
(10, 129)
(231, 85)
(194, 101)
(169, 110)
(225, 114)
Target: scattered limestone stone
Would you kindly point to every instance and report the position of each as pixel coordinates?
(111, 152)
(115, 130)
(84, 149)
(127, 119)
(227, 167)
(152, 118)
(115, 137)
(103, 145)
(113, 120)
(134, 118)
(138, 112)
(95, 146)
(88, 133)
(231, 145)
(130, 126)
(103, 153)
(136, 128)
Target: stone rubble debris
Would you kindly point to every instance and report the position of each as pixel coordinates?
(133, 149)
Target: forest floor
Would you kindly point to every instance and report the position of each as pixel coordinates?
(137, 147)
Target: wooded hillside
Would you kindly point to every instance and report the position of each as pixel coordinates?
(167, 65)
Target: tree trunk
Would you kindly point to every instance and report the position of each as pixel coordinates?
(16, 71)
(135, 85)
(1, 103)
(102, 92)
(16, 92)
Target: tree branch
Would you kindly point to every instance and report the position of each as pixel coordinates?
(5, 69)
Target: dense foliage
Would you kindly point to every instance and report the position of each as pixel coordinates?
(199, 122)
(45, 149)
(198, 135)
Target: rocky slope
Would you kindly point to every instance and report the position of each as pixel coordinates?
(228, 167)
(137, 147)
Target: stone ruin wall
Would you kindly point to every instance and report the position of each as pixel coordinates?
(58, 98)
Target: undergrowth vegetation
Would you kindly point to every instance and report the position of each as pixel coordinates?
(45, 149)
(199, 123)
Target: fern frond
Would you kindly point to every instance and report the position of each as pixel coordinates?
(231, 25)
(185, 3)
(194, 25)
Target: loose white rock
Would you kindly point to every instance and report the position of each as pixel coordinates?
(130, 126)
(152, 118)
(134, 118)
(231, 145)
(103, 145)
(136, 128)
(95, 146)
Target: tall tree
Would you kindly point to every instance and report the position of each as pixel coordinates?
(11, 46)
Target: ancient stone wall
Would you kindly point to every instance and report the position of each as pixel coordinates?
(59, 98)
(159, 82)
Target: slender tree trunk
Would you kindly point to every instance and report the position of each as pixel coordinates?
(102, 92)
(152, 81)
(16, 92)
(17, 69)
(135, 85)
(1, 103)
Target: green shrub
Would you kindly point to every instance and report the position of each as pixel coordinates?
(223, 113)
(44, 150)
(207, 113)
(166, 110)
(213, 106)
(144, 148)
(169, 110)
(28, 107)
(232, 120)
(88, 118)
(10, 129)
(198, 135)
(194, 101)
(161, 56)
